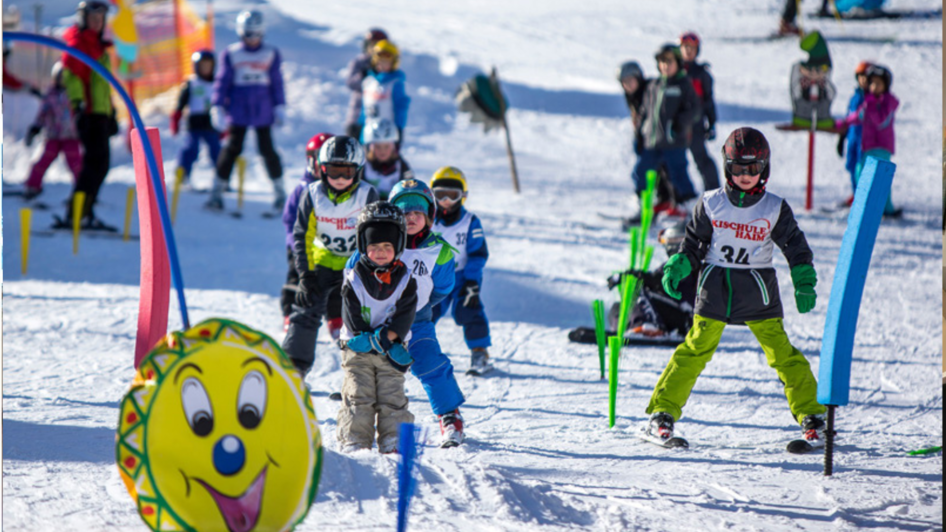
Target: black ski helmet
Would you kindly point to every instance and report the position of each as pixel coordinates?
(201, 55)
(381, 212)
(630, 69)
(672, 49)
(744, 146)
(881, 72)
(341, 150)
(89, 6)
(671, 237)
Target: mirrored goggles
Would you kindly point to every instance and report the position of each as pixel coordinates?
(334, 171)
(753, 168)
(452, 195)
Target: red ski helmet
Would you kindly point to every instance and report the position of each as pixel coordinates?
(691, 37)
(312, 152)
(746, 146)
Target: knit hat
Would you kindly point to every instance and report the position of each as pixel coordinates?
(378, 233)
(817, 49)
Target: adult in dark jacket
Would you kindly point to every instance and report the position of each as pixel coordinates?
(357, 70)
(704, 128)
(667, 114)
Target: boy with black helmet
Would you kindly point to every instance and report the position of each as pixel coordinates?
(730, 238)
(323, 238)
(379, 301)
(196, 95)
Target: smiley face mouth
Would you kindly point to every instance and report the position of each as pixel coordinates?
(240, 513)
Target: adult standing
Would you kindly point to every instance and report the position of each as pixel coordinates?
(704, 128)
(91, 98)
(249, 91)
(667, 114)
(357, 70)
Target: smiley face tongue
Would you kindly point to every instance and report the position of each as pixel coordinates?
(241, 512)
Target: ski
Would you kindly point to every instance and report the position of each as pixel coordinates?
(335, 396)
(919, 14)
(671, 443)
(480, 370)
(586, 335)
(49, 233)
(788, 126)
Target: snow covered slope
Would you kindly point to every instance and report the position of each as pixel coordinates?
(539, 453)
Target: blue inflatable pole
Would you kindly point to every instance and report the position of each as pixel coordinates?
(850, 274)
(149, 153)
(407, 446)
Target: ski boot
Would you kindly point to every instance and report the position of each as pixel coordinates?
(812, 430)
(215, 203)
(660, 426)
(479, 362)
(451, 429)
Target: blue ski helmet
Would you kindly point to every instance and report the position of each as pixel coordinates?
(408, 194)
(250, 24)
(199, 56)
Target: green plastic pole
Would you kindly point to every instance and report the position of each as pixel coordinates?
(931, 450)
(633, 243)
(628, 289)
(597, 310)
(614, 342)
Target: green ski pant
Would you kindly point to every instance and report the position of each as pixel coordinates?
(688, 360)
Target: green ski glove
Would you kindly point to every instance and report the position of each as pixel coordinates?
(804, 278)
(677, 269)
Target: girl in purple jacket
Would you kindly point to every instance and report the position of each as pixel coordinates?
(876, 116)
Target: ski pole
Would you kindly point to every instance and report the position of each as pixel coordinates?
(129, 201)
(26, 215)
(78, 202)
(241, 174)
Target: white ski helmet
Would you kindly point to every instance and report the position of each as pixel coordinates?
(250, 24)
(382, 130)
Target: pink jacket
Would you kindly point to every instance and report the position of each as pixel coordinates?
(876, 115)
(55, 115)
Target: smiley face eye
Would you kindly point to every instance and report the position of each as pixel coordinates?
(251, 402)
(197, 407)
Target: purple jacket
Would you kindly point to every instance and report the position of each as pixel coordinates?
(250, 85)
(55, 115)
(876, 116)
(292, 205)
(356, 74)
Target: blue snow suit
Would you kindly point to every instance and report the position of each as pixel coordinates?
(431, 262)
(854, 138)
(384, 96)
(464, 232)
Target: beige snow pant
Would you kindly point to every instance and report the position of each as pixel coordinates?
(371, 386)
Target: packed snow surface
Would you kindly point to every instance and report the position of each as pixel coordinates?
(538, 453)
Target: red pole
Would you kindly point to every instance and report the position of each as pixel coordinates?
(811, 168)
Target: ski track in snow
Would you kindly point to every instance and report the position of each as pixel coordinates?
(538, 453)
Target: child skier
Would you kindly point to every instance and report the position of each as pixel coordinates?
(323, 238)
(383, 93)
(463, 230)
(853, 136)
(357, 70)
(876, 117)
(379, 302)
(385, 165)
(195, 94)
(730, 237)
(249, 91)
(704, 128)
(656, 313)
(431, 261)
(56, 117)
(291, 287)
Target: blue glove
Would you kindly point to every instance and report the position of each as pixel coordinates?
(399, 354)
(365, 343)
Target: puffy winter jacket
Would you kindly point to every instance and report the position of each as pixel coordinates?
(668, 112)
(876, 116)
(250, 85)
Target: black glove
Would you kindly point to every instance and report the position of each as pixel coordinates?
(308, 290)
(615, 279)
(470, 295)
(36, 92)
(31, 134)
(80, 118)
(841, 141)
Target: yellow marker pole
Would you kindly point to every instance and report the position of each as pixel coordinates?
(241, 174)
(26, 216)
(129, 202)
(78, 202)
(178, 181)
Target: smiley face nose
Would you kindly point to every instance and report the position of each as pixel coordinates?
(229, 455)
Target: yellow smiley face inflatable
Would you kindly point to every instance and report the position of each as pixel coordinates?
(218, 433)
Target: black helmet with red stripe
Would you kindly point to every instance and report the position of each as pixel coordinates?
(747, 149)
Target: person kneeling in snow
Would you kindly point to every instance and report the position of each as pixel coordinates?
(379, 301)
(656, 313)
(730, 237)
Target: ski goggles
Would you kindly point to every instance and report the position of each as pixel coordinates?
(753, 168)
(334, 171)
(452, 195)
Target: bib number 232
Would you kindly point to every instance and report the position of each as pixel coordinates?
(339, 244)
